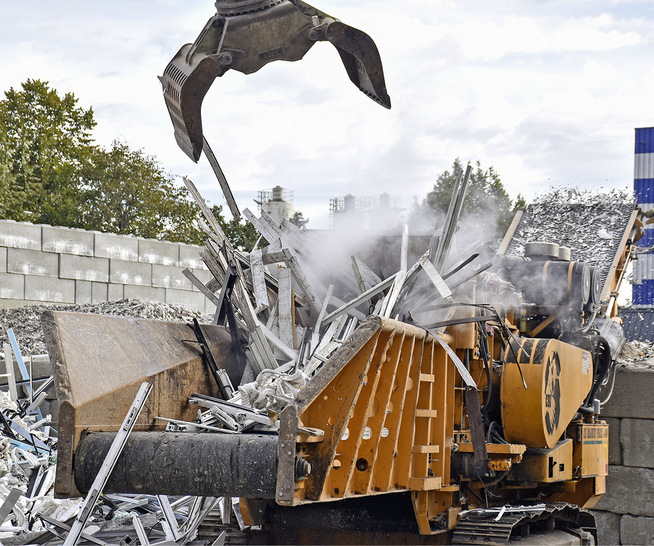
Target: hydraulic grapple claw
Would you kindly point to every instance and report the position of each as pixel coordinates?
(361, 59)
(247, 34)
(185, 85)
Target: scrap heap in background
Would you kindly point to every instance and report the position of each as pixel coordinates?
(591, 224)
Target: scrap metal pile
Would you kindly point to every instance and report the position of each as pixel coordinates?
(589, 223)
(29, 511)
(287, 315)
(283, 326)
(27, 450)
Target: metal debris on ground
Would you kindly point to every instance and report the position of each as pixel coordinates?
(29, 512)
(27, 453)
(637, 352)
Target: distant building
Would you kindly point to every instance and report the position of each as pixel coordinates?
(278, 203)
(376, 213)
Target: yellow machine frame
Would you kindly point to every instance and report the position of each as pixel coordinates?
(388, 410)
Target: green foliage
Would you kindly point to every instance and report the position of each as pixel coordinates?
(6, 179)
(299, 221)
(46, 143)
(52, 172)
(243, 235)
(127, 191)
(486, 199)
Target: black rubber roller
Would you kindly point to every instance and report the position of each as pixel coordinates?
(174, 463)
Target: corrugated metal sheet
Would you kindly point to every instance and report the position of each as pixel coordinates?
(644, 166)
(644, 140)
(638, 324)
(647, 239)
(643, 293)
(643, 266)
(644, 191)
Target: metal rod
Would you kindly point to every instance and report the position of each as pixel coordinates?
(359, 299)
(108, 465)
(19, 357)
(222, 180)
(453, 215)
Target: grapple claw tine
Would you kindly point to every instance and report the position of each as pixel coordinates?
(185, 85)
(361, 59)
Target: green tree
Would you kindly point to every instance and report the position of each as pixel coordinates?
(6, 179)
(242, 234)
(299, 221)
(486, 199)
(52, 172)
(46, 143)
(127, 191)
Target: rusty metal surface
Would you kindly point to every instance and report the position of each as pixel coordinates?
(286, 450)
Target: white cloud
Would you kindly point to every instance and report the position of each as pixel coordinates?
(546, 92)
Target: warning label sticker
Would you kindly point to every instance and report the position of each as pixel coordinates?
(586, 363)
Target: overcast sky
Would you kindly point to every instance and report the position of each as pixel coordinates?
(548, 92)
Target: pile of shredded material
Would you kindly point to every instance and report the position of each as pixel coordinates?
(590, 223)
(27, 472)
(637, 352)
(26, 321)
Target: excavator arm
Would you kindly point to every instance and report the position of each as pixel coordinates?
(245, 35)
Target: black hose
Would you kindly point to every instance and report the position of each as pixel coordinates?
(602, 365)
(484, 351)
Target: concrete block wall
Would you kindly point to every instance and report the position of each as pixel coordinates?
(625, 514)
(47, 264)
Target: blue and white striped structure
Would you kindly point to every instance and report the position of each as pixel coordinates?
(643, 288)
